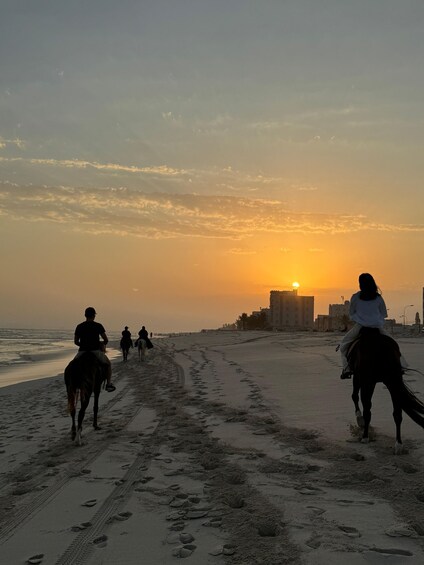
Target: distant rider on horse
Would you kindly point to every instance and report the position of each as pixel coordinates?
(87, 339)
(144, 334)
(367, 309)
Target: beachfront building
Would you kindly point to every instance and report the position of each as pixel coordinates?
(288, 310)
(337, 319)
(339, 316)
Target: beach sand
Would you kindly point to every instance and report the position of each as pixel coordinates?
(221, 447)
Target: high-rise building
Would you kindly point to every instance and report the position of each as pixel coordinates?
(289, 310)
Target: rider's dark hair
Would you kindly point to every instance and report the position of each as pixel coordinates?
(368, 286)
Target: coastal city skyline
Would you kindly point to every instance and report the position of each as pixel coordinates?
(170, 163)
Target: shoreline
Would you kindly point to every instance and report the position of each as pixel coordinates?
(43, 366)
(46, 365)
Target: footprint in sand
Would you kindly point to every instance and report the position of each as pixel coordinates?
(392, 551)
(400, 530)
(120, 517)
(349, 531)
(80, 527)
(313, 542)
(184, 551)
(308, 490)
(101, 541)
(226, 549)
(177, 526)
(316, 510)
(35, 559)
(90, 503)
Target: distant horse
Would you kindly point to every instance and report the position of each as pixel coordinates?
(126, 343)
(142, 348)
(375, 358)
(83, 376)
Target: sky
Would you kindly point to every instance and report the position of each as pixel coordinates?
(170, 162)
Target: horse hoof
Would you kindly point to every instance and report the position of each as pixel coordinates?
(97, 428)
(365, 440)
(359, 419)
(398, 448)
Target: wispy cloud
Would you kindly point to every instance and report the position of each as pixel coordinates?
(222, 178)
(162, 170)
(128, 212)
(239, 251)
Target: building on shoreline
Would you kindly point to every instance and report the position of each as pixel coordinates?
(337, 318)
(288, 310)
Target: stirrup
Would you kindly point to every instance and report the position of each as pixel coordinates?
(346, 374)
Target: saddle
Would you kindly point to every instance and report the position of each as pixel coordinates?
(73, 368)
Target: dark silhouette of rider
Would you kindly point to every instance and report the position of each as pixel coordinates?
(126, 334)
(143, 333)
(87, 338)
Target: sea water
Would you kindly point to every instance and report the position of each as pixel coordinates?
(35, 354)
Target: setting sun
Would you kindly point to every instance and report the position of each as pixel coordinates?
(295, 285)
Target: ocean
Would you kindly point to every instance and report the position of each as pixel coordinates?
(27, 355)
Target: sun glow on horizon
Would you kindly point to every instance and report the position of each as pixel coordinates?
(295, 285)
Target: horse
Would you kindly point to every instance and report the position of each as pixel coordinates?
(84, 375)
(126, 343)
(142, 348)
(374, 358)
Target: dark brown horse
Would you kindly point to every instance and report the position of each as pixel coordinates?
(125, 344)
(83, 376)
(375, 358)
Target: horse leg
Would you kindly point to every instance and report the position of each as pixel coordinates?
(367, 391)
(71, 400)
(355, 397)
(96, 409)
(73, 427)
(81, 414)
(72, 412)
(396, 395)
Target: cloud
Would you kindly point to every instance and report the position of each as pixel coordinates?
(130, 212)
(239, 251)
(160, 170)
(94, 172)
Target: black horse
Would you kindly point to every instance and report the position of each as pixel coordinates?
(375, 358)
(125, 344)
(83, 376)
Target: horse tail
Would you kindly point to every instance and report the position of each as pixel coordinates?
(412, 405)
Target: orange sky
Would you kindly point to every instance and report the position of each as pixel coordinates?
(171, 163)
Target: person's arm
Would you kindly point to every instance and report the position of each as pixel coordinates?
(382, 307)
(77, 340)
(104, 338)
(352, 307)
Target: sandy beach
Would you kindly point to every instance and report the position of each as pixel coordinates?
(221, 447)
